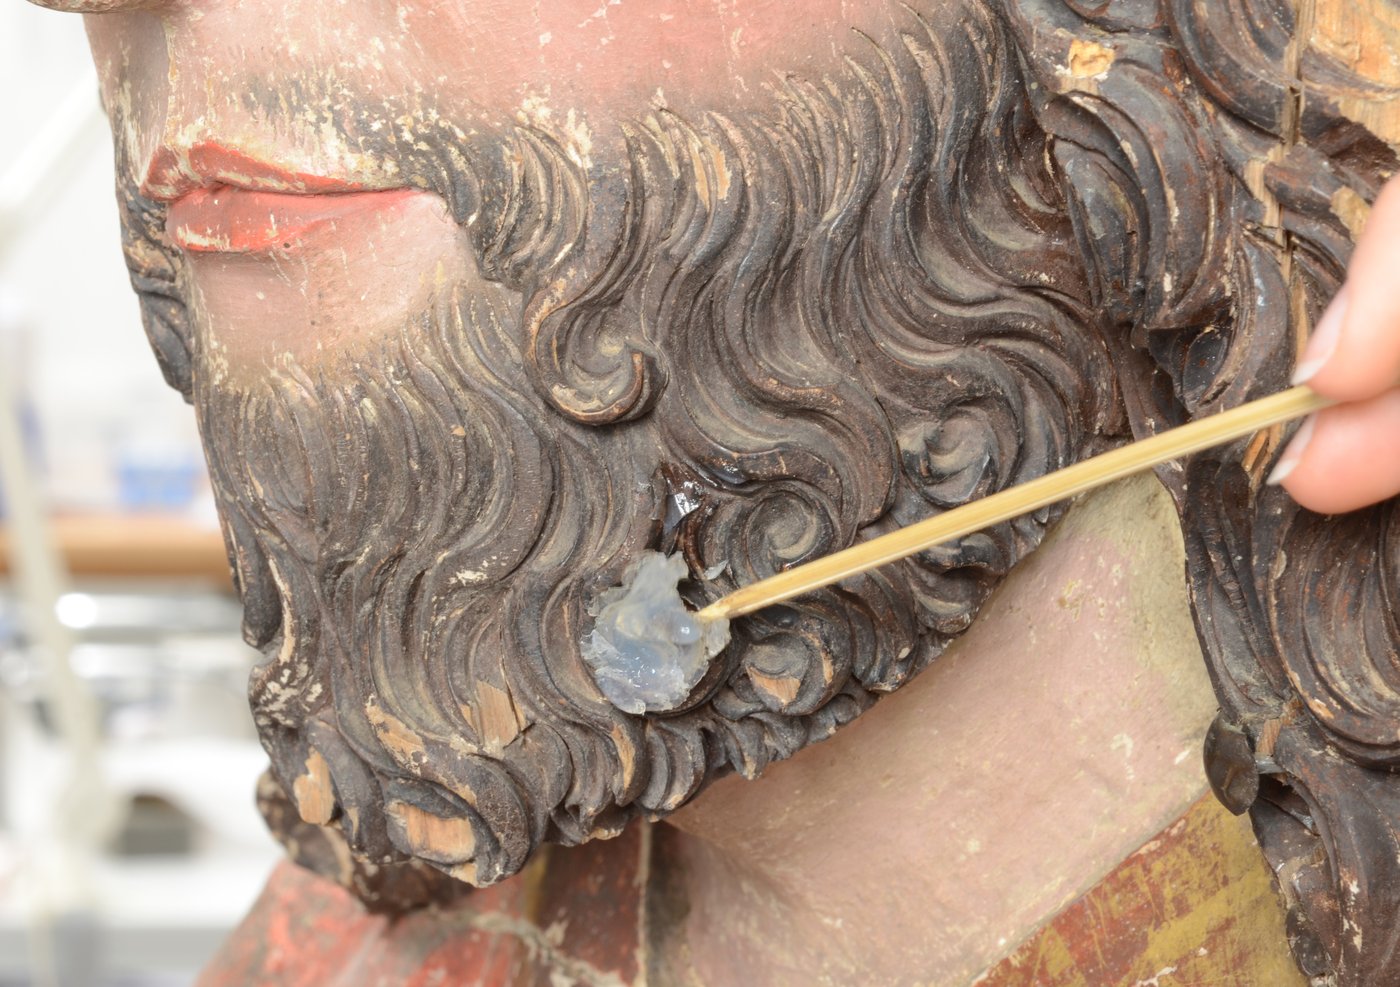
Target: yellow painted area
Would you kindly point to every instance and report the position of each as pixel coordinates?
(1194, 906)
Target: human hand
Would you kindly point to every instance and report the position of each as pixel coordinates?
(1348, 456)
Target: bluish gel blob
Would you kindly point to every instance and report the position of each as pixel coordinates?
(647, 651)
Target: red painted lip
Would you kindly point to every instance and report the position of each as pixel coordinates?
(225, 201)
(228, 220)
(170, 175)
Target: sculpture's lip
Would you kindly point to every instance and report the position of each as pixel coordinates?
(229, 220)
(172, 174)
(223, 200)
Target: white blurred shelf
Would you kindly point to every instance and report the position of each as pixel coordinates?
(168, 669)
(158, 917)
(156, 914)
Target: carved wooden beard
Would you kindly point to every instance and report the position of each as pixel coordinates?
(776, 340)
(827, 320)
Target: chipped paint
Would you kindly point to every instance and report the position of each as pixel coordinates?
(400, 741)
(499, 719)
(1162, 919)
(1089, 59)
(313, 792)
(1351, 209)
(782, 689)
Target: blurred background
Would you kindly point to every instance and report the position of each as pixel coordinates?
(129, 841)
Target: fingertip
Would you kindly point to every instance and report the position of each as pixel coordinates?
(1351, 458)
(1356, 356)
(1328, 500)
(1365, 363)
(1294, 452)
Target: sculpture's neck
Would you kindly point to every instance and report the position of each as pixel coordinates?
(929, 837)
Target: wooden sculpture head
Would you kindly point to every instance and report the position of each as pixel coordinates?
(475, 307)
(478, 301)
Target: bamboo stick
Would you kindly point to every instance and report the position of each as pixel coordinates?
(1006, 504)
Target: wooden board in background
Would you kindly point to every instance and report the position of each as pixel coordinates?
(139, 546)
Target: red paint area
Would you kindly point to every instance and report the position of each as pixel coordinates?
(593, 895)
(224, 219)
(305, 931)
(224, 200)
(170, 175)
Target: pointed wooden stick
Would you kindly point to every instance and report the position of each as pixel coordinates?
(1041, 492)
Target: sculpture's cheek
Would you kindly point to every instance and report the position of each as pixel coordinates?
(335, 283)
(277, 82)
(618, 57)
(598, 58)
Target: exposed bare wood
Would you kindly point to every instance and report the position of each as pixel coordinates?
(1363, 36)
(500, 720)
(433, 837)
(782, 688)
(314, 795)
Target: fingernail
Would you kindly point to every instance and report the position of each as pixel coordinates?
(1293, 455)
(1323, 342)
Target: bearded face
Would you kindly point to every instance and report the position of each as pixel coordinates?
(479, 301)
(750, 339)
